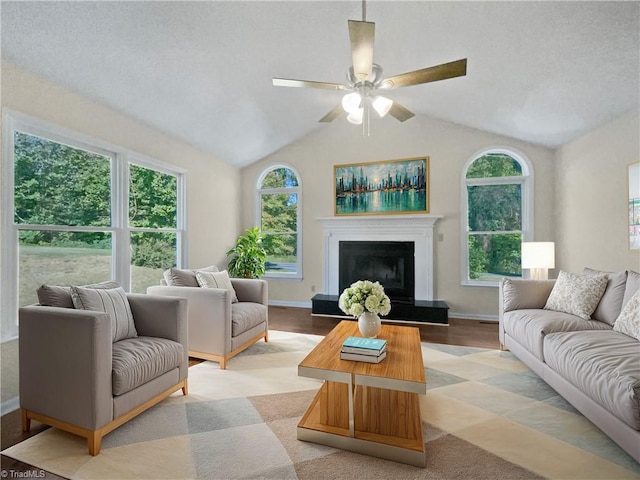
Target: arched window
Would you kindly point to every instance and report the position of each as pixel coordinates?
(497, 217)
(279, 217)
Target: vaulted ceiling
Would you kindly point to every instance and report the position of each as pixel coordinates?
(542, 72)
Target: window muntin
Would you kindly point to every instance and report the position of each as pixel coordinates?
(497, 217)
(279, 219)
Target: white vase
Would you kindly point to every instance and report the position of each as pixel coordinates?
(369, 324)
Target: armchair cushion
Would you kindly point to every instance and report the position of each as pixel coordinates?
(177, 277)
(246, 315)
(55, 296)
(113, 302)
(216, 280)
(138, 360)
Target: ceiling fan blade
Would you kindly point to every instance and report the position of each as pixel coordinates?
(457, 68)
(399, 112)
(333, 114)
(288, 82)
(361, 35)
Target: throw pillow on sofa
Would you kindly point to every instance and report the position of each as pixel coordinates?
(217, 280)
(629, 320)
(576, 294)
(611, 302)
(111, 301)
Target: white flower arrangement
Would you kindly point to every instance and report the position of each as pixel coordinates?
(362, 296)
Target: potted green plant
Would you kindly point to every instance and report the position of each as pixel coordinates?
(248, 255)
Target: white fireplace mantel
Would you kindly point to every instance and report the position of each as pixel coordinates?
(390, 228)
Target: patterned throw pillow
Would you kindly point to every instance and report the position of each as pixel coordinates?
(216, 280)
(629, 320)
(114, 302)
(578, 295)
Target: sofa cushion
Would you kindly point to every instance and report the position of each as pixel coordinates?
(216, 280)
(56, 296)
(633, 285)
(178, 277)
(139, 360)
(629, 320)
(246, 315)
(529, 327)
(518, 294)
(577, 294)
(112, 301)
(611, 302)
(603, 365)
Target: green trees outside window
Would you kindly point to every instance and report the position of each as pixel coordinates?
(279, 196)
(495, 186)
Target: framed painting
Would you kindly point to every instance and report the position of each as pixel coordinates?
(382, 188)
(634, 205)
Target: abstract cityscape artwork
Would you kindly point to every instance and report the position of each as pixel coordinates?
(634, 206)
(378, 188)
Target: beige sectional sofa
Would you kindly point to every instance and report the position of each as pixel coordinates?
(589, 362)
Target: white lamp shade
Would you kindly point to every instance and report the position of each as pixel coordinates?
(538, 255)
(382, 105)
(351, 102)
(356, 116)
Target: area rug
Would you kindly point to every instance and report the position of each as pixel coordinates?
(486, 416)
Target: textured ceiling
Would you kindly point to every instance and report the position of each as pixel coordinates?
(543, 72)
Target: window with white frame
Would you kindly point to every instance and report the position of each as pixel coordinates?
(78, 211)
(497, 216)
(279, 217)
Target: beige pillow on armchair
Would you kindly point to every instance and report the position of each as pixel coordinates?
(216, 280)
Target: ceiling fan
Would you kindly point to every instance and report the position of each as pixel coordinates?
(365, 79)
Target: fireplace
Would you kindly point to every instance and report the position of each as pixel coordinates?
(390, 263)
(404, 264)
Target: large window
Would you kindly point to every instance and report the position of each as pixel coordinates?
(65, 215)
(279, 207)
(497, 217)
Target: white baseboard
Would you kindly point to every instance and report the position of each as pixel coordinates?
(474, 316)
(288, 303)
(9, 405)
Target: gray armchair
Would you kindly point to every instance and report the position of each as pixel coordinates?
(218, 328)
(75, 378)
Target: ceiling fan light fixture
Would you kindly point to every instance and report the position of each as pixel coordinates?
(382, 105)
(351, 102)
(355, 117)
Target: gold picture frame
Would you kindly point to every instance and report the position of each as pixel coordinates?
(388, 187)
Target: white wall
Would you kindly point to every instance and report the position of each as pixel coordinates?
(448, 145)
(591, 198)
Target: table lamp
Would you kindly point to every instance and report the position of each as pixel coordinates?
(538, 257)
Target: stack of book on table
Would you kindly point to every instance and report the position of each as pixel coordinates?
(359, 349)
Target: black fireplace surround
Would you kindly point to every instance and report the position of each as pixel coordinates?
(390, 263)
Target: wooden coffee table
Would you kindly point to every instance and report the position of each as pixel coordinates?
(367, 408)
